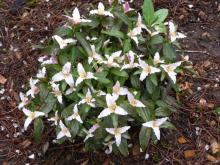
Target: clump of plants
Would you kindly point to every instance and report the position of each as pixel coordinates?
(106, 76)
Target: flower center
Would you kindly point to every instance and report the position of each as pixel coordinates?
(112, 107)
(32, 116)
(147, 69)
(64, 130)
(83, 75)
(88, 99)
(170, 69)
(134, 102)
(154, 124)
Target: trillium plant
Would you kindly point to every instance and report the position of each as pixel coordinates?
(106, 76)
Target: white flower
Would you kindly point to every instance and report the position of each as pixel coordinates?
(30, 116)
(133, 34)
(118, 90)
(109, 145)
(55, 119)
(140, 25)
(64, 131)
(91, 131)
(63, 42)
(117, 133)
(65, 74)
(70, 90)
(24, 100)
(110, 59)
(56, 91)
(157, 59)
(83, 75)
(75, 19)
(88, 99)
(45, 60)
(34, 89)
(170, 69)
(75, 115)
(155, 125)
(147, 69)
(41, 73)
(94, 55)
(172, 32)
(131, 64)
(134, 102)
(152, 33)
(127, 7)
(101, 11)
(112, 107)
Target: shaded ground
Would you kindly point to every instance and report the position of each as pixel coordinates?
(195, 121)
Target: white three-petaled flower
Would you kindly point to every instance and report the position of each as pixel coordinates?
(118, 90)
(41, 73)
(34, 89)
(112, 107)
(140, 25)
(133, 34)
(56, 91)
(88, 99)
(75, 115)
(24, 100)
(91, 131)
(172, 32)
(134, 102)
(55, 119)
(75, 19)
(65, 74)
(45, 60)
(31, 116)
(109, 145)
(147, 69)
(63, 42)
(131, 64)
(170, 69)
(64, 131)
(126, 7)
(94, 55)
(117, 133)
(110, 59)
(157, 59)
(155, 125)
(101, 11)
(83, 75)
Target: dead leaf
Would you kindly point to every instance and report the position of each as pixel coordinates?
(189, 153)
(2, 79)
(202, 102)
(206, 63)
(182, 140)
(210, 158)
(215, 147)
(26, 143)
(211, 105)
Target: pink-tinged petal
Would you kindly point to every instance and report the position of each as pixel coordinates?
(118, 139)
(157, 132)
(27, 123)
(69, 80)
(148, 124)
(69, 118)
(60, 135)
(139, 104)
(123, 91)
(142, 63)
(94, 128)
(67, 68)
(154, 70)
(76, 14)
(79, 80)
(108, 13)
(80, 68)
(75, 109)
(110, 100)
(101, 6)
(78, 118)
(58, 77)
(104, 113)
(37, 114)
(90, 75)
(180, 35)
(26, 112)
(124, 129)
(143, 76)
(110, 130)
(161, 120)
(92, 12)
(120, 111)
(68, 134)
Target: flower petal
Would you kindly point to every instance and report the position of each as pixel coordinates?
(27, 123)
(58, 77)
(104, 113)
(120, 111)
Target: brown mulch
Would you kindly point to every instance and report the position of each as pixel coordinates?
(195, 123)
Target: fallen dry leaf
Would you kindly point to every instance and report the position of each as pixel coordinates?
(189, 153)
(202, 102)
(2, 79)
(215, 147)
(210, 158)
(182, 140)
(26, 143)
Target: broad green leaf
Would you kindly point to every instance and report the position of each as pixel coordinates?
(74, 128)
(144, 137)
(123, 17)
(150, 86)
(135, 82)
(168, 125)
(123, 147)
(119, 72)
(127, 45)
(49, 104)
(161, 15)
(148, 12)
(162, 112)
(80, 37)
(169, 52)
(157, 39)
(217, 111)
(64, 32)
(38, 129)
(114, 33)
(153, 78)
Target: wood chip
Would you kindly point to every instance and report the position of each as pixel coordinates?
(182, 140)
(26, 143)
(210, 158)
(189, 153)
(215, 147)
(2, 79)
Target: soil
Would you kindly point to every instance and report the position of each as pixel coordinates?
(195, 120)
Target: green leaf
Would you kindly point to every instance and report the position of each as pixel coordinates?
(127, 45)
(144, 137)
(157, 39)
(135, 82)
(168, 125)
(169, 52)
(114, 33)
(123, 147)
(38, 129)
(153, 78)
(80, 37)
(217, 111)
(119, 72)
(162, 112)
(123, 17)
(49, 104)
(64, 32)
(74, 128)
(150, 86)
(148, 12)
(161, 15)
